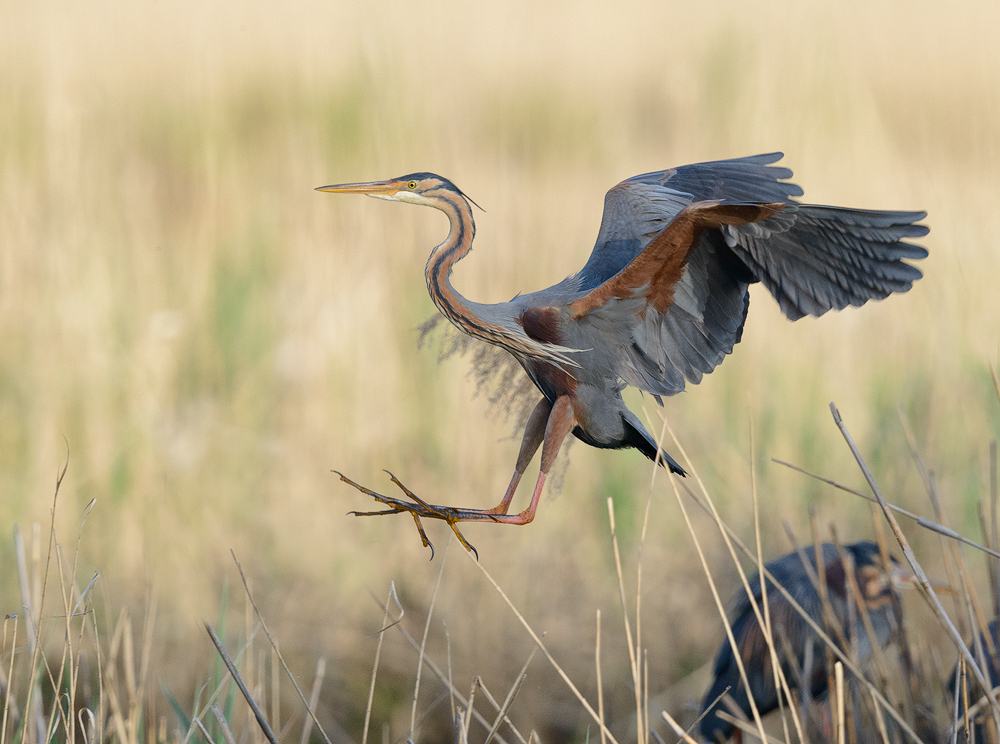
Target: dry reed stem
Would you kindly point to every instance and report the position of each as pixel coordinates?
(67, 647)
(915, 565)
(201, 727)
(40, 595)
(245, 652)
(423, 640)
(981, 703)
(449, 681)
(642, 705)
(632, 650)
(26, 603)
(922, 521)
(477, 683)
(100, 717)
(461, 736)
(643, 709)
(313, 699)
(879, 722)
(275, 688)
(223, 724)
(645, 687)
(780, 683)
(959, 695)
(10, 675)
(378, 652)
(573, 688)
(838, 670)
(996, 379)
(685, 736)
(994, 565)
(708, 708)
(135, 707)
(258, 714)
(509, 700)
(600, 679)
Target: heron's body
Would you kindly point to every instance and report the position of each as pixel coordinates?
(800, 649)
(664, 295)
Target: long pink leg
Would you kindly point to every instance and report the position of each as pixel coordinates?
(534, 433)
(561, 422)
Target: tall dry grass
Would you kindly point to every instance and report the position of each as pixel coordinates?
(208, 337)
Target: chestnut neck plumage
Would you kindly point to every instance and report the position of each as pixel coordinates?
(456, 246)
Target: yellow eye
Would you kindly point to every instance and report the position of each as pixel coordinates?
(411, 185)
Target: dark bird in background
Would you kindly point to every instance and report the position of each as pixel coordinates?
(802, 651)
(662, 299)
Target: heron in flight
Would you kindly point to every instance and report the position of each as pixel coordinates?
(661, 300)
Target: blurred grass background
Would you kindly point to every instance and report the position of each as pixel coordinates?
(209, 337)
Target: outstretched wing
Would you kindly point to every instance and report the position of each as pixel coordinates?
(811, 258)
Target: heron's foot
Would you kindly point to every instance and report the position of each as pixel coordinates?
(417, 508)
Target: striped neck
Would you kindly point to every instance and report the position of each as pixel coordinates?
(439, 265)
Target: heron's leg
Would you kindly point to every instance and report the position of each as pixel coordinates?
(534, 433)
(561, 421)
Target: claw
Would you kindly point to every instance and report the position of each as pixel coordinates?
(423, 535)
(418, 509)
(461, 538)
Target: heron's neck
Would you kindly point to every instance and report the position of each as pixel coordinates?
(438, 271)
(486, 322)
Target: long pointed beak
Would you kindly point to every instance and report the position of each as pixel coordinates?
(372, 188)
(903, 578)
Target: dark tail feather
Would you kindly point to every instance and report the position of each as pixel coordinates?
(637, 436)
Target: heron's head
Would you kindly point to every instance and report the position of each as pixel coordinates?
(875, 583)
(417, 188)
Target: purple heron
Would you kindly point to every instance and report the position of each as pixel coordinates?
(661, 300)
(802, 651)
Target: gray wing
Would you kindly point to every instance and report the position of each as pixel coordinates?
(639, 208)
(811, 258)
